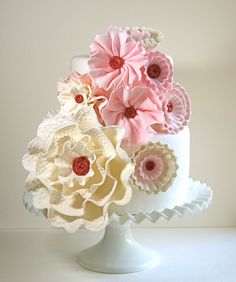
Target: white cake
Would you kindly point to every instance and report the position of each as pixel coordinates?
(177, 193)
(119, 142)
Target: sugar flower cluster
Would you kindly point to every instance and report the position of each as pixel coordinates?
(138, 80)
(80, 161)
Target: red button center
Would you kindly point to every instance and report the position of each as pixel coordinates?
(150, 165)
(81, 166)
(130, 112)
(116, 62)
(153, 71)
(79, 98)
(169, 107)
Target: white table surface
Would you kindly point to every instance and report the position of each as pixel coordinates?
(191, 255)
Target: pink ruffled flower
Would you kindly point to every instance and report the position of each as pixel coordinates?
(114, 62)
(150, 167)
(134, 109)
(158, 71)
(177, 109)
(155, 167)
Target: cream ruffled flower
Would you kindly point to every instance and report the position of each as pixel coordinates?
(75, 92)
(155, 167)
(76, 170)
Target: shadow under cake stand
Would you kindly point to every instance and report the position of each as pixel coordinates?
(118, 251)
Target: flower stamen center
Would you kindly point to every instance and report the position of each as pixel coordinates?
(153, 71)
(130, 112)
(81, 166)
(79, 98)
(116, 62)
(150, 165)
(169, 107)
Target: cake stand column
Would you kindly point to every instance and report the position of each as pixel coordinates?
(117, 252)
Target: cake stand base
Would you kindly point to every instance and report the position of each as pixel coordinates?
(117, 252)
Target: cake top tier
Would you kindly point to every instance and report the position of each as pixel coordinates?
(79, 64)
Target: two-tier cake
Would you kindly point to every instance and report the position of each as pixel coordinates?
(120, 142)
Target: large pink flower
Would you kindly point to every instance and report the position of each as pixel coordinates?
(158, 71)
(176, 108)
(114, 62)
(134, 109)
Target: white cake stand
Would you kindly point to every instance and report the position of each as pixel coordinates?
(118, 251)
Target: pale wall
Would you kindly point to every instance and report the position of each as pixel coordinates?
(38, 39)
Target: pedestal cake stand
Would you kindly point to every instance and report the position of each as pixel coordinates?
(118, 251)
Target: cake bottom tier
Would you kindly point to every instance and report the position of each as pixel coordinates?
(177, 193)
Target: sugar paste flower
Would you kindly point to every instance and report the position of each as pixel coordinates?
(76, 174)
(158, 71)
(155, 168)
(114, 62)
(176, 108)
(75, 92)
(148, 37)
(80, 90)
(134, 109)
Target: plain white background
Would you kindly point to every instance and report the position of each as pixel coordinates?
(38, 40)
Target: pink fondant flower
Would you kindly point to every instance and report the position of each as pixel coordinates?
(114, 62)
(135, 109)
(176, 108)
(155, 167)
(158, 71)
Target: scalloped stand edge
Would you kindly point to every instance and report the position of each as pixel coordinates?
(118, 252)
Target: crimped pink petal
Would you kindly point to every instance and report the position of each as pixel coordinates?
(104, 48)
(148, 111)
(176, 120)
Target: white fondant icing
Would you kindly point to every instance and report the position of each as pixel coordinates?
(79, 64)
(177, 193)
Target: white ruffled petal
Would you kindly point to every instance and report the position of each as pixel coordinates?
(74, 195)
